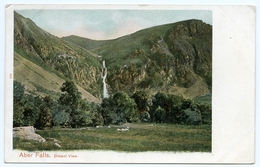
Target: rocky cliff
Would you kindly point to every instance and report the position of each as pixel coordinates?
(175, 58)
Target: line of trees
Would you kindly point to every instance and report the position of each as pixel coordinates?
(70, 110)
(163, 108)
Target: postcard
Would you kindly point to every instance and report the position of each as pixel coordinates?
(130, 84)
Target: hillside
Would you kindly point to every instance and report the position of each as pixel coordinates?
(43, 62)
(174, 58)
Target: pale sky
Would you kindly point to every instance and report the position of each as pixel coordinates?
(107, 24)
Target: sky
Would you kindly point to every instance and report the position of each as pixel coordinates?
(107, 24)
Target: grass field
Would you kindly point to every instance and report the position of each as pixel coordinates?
(140, 137)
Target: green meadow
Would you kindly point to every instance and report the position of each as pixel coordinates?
(139, 138)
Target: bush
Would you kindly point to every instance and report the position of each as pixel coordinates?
(191, 117)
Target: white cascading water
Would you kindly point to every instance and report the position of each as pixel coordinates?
(104, 76)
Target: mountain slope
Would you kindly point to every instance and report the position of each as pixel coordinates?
(40, 82)
(175, 58)
(53, 55)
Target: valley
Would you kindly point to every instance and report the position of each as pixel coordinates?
(159, 76)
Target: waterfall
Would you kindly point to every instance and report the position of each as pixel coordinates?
(104, 76)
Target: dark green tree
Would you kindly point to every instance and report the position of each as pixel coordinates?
(45, 118)
(206, 113)
(18, 93)
(45, 115)
(141, 100)
(18, 115)
(159, 115)
(119, 109)
(92, 115)
(145, 116)
(71, 98)
(30, 110)
(70, 95)
(173, 108)
(158, 102)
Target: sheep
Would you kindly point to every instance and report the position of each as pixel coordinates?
(123, 129)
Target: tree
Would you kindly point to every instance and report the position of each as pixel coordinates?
(45, 118)
(172, 108)
(191, 117)
(70, 95)
(25, 112)
(18, 116)
(78, 118)
(119, 109)
(45, 115)
(141, 100)
(127, 106)
(71, 98)
(206, 113)
(60, 115)
(30, 110)
(18, 93)
(92, 115)
(190, 114)
(159, 115)
(145, 116)
(159, 103)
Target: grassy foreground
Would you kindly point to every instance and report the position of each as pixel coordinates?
(140, 137)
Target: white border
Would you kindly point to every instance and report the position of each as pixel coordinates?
(227, 90)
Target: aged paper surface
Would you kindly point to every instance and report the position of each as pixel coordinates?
(233, 93)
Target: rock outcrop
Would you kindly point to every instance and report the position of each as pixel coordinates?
(27, 133)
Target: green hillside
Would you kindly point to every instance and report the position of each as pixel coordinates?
(40, 81)
(175, 58)
(54, 55)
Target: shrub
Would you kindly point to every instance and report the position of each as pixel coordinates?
(191, 117)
